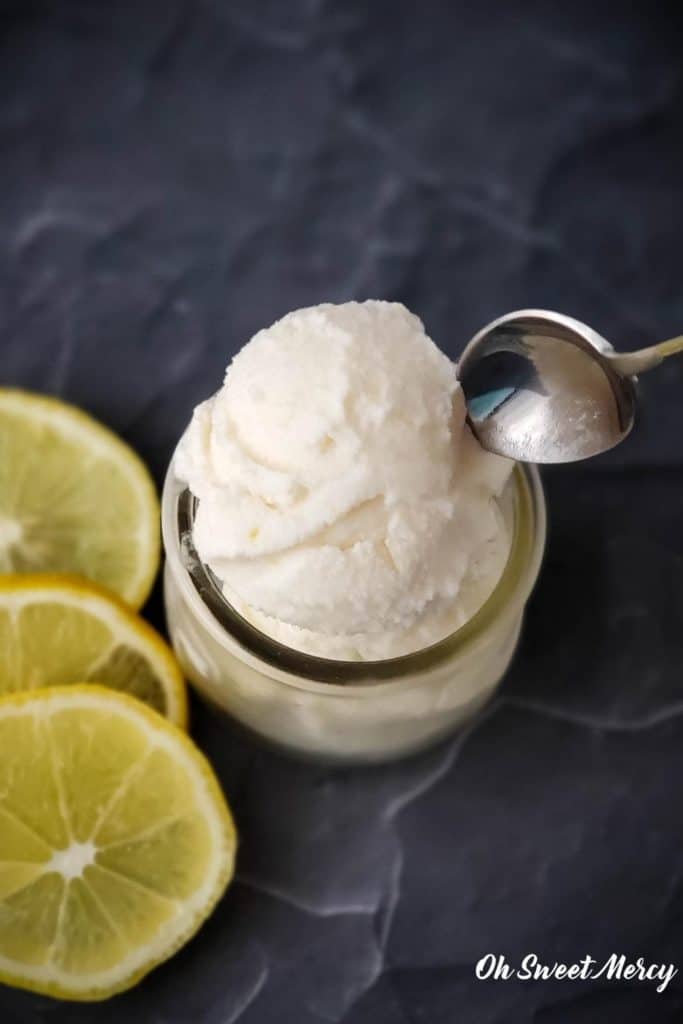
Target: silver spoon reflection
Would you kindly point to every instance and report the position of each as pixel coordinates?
(543, 387)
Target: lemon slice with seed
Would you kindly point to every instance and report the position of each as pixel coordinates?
(74, 498)
(115, 841)
(59, 629)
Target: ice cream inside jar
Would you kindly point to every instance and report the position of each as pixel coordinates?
(342, 501)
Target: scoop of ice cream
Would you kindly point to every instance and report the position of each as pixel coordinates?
(342, 500)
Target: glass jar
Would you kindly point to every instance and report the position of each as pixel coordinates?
(345, 711)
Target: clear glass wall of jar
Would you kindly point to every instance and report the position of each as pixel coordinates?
(347, 711)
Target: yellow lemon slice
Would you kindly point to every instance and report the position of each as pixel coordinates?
(115, 841)
(74, 498)
(58, 629)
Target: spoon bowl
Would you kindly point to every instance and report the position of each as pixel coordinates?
(543, 387)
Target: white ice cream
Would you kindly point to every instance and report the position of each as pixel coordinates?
(343, 501)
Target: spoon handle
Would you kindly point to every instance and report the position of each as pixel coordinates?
(631, 363)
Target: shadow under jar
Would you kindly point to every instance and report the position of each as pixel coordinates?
(347, 711)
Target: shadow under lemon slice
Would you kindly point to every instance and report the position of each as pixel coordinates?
(115, 841)
(57, 629)
(74, 498)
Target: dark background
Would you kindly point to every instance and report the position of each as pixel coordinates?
(176, 175)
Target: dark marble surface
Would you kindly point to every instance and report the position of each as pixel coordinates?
(174, 176)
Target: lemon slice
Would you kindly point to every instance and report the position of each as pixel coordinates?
(115, 841)
(74, 498)
(61, 629)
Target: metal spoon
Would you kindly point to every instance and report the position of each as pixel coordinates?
(543, 387)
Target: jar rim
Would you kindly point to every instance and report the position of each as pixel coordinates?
(202, 590)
